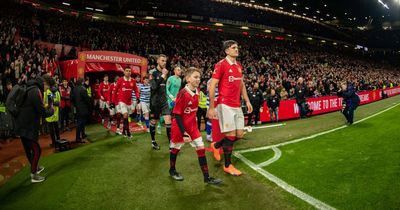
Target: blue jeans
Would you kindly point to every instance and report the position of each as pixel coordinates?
(302, 109)
(274, 112)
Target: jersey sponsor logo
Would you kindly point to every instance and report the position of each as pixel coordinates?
(126, 89)
(189, 110)
(190, 103)
(230, 71)
(232, 78)
(226, 125)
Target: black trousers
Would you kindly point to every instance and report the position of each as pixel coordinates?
(54, 132)
(32, 152)
(80, 129)
(348, 112)
(201, 112)
(256, 114)
(64, 115)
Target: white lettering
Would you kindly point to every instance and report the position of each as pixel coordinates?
(325, 104)
(364, 97)
(315, 105)
(126, 89)
(333, 103)
(115, 59)
(296, 108)
(392, 91)
(340, 102)
(232, 78)
(188, 110)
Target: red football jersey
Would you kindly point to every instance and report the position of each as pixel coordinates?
(186, 106)
(95, 91)
(123, 90)
(230, 77)
(111, 97)
(104, 90)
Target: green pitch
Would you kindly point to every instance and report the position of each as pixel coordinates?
(356, 167)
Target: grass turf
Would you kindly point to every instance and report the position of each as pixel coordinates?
(113, 174)
(354, 168)
(259, 156)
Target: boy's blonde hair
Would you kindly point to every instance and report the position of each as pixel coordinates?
(191, 70)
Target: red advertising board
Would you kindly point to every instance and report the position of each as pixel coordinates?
(288, 109)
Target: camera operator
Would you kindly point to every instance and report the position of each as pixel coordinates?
(350, 101)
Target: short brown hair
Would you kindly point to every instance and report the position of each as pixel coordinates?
(161, 55)
(80, 81)
(177, 66)
(49, 80)
(228, 43)
(191, 70)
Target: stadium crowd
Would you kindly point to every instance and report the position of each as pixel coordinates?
(271, 63)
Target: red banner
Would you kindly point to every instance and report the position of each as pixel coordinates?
(289, 109)
(111, 57)
(95, 61)
(392, 91)
(100, 61)
(99, 67)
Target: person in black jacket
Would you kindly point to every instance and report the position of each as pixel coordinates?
(27, 123)
(257, 101)
(300, 93)
(82, 102)
(158, 102)
(273, 102)
(350, 101)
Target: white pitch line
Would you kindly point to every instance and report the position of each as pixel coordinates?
(315, 135)
(276, 157)
(298, 193)
(289, 188)
(269, 126)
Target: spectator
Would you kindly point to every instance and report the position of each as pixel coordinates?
(52, 97)
(65, 105)
(257, 101)
(301, 93)
(202, 109)
(28, 123)
(284, 94)
(82, 103)
(273, 102)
